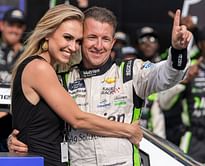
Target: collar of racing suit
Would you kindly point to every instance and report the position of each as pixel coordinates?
(86, 73)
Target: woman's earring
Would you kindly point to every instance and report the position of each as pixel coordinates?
(45, 46)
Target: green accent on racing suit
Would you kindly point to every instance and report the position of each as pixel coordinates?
(96, 91)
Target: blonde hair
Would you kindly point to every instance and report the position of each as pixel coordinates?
(51, 20)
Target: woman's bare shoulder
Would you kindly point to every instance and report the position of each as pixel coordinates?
(38, 67)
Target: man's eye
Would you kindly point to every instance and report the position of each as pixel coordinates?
(91, 37)
(107, 39)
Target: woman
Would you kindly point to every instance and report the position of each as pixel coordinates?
(39, 100)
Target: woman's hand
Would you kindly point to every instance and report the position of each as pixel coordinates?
(137, 133)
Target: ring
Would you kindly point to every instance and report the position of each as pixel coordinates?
(9, 140)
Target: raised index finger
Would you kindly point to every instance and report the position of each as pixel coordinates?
(177, 18)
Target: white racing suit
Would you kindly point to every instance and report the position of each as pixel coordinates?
(108, 91)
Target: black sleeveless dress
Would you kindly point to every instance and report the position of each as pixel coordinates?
(40, 127)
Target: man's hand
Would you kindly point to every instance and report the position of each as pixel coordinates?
(185, 20)
(180, 35)
(14, 145)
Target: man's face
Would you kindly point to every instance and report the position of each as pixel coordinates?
(148, 45)
(98, 41)
(12, 32)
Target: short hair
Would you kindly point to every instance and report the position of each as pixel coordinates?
(102, 15)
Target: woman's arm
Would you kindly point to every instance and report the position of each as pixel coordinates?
(3, 114)
(45, 83)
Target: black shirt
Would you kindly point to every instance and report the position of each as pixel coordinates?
(40, 127)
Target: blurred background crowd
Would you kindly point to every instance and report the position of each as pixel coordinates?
(177, 114)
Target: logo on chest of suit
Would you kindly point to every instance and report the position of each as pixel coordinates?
(120, 101)
(104, 103)
(76, 85)
(77, 89)
(109, 80)
(110, 90)
(90, 73)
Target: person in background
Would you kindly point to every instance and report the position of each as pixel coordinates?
(147, 44)
(195, 96)
(152, 118)
(173, 101)
(121, 40)
(128, 53)
(12, 28)
(184, 107)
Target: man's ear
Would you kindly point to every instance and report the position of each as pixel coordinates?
(113, 42)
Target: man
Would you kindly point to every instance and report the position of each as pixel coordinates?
(128, 53)
(98, 85)
(121, 40)
(12, 28)
(184, 108)
(147, 44)
(195, 95)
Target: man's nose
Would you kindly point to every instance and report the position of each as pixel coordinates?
(98, 44)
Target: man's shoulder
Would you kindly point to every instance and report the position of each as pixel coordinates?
(74, 68)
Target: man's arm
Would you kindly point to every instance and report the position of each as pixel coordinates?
(14, 145)
(180, 35)
(149, 77)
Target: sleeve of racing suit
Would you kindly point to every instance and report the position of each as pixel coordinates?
(154, 77)
(179, 60)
